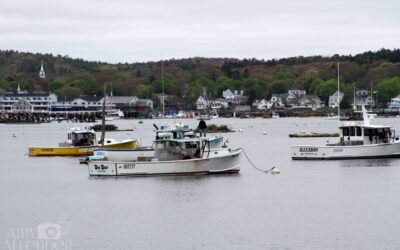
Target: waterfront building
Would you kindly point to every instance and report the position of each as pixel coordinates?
(22, 101)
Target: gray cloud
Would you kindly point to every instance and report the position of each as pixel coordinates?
(129, 31)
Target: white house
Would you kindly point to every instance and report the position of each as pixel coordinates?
(394, 103)
(201, 103)
(335, 99)
(228, 94)
(309, 102)
(363, 97)
(265, 105)
(294, 95)
(219, 103)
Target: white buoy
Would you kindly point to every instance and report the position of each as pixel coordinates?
(275, 170)
(14, 135)
(264, 133)
(128, 133)
(240, 130)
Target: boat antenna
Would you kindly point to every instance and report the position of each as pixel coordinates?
(103, 118)
(155, 126)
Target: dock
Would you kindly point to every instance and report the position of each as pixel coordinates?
(312, 134)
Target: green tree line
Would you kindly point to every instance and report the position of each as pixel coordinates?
(186, 78)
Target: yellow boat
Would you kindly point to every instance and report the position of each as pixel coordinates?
(80, 143)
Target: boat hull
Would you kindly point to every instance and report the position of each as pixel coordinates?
(128, 144)
(78, 151)
(307, 152)
(60, 151)
(121, 154)
(227, 163)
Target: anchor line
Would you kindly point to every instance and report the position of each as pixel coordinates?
(252, 164)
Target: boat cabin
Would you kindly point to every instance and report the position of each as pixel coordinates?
(365, 134)
(181, 143)
(82, 138)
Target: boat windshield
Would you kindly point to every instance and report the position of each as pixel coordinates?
(82, 139)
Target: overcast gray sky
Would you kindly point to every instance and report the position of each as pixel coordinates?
(143, 30)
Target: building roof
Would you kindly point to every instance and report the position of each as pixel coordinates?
(16, 94)
(91, 98)
(123, 99)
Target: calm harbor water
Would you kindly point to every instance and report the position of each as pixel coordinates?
(349, 204)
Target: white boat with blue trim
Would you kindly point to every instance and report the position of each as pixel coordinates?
(119, 154)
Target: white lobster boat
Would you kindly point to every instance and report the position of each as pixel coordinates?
(177, 152)
(357, 140)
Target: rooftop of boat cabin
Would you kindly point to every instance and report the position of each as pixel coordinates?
(363, 126)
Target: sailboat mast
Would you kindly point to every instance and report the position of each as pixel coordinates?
(370, 106)
(338, 87)
(162, 82)
(354, 96)
(103, 118)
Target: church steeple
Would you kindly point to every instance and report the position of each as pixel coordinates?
(42, 74)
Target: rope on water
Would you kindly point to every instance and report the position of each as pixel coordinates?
(252, 164)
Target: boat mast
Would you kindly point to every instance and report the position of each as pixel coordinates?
(354, 96)
(111, 96)
(370, 106)
(103, 118)
(338, 93)
(162, 82)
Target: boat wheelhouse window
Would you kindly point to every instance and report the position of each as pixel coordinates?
(160, 145)
(359, 132)
(173, 144)
(346, 132)
(190, 145)
(82, 139)
(352, 131)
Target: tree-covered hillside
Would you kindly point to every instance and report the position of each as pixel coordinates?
(185, 78)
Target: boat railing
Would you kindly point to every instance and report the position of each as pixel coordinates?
(346, 143)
